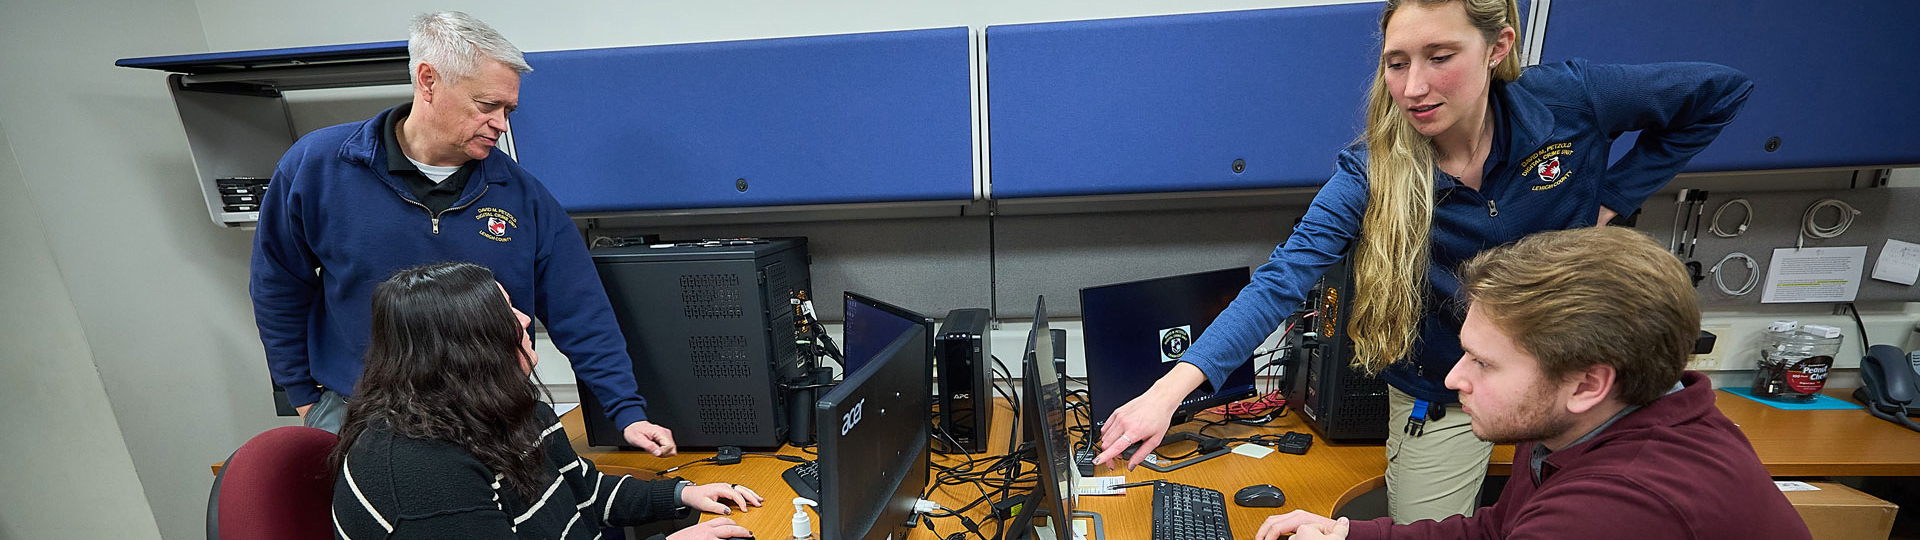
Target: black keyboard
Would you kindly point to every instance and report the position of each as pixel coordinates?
(1183, 512)
(805, 480)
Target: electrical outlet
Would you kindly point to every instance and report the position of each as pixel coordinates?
(1711, 360)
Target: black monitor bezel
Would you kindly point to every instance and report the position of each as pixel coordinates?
(833, 471)
(1053, 461)
(897, 311)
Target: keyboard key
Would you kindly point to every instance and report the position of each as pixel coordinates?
(1183, 512)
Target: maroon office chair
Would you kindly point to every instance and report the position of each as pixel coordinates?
(276, 486)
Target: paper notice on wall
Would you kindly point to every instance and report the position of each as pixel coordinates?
(1825, 274)
(1899, 262)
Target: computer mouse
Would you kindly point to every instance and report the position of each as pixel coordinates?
(1260, 496)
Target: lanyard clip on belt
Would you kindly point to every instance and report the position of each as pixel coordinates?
(1423, 411)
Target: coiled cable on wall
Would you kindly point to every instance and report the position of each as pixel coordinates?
(1810, 229)
(1753, 274)
(1744, 222)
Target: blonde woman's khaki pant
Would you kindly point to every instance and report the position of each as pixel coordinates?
(1435, 475)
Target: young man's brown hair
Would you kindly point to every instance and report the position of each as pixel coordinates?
(1596, 295)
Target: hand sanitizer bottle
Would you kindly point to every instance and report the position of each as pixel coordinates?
(802, 525)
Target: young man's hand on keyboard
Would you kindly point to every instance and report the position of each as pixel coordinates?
(1303, 525)
(1316, 532)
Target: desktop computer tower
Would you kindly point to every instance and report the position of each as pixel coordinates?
(1343, 403)
(711, 329)
(964, 362)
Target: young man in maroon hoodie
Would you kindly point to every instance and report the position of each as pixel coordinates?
(1576, 342)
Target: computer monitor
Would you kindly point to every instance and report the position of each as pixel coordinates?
(872, 324)
(1043, 411)
(1135, 332)
(873, 431)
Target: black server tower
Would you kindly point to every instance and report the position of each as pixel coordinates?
(1343, 403)
(711, 329)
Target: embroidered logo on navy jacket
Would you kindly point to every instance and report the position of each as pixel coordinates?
(1547, 165)
(495, 223)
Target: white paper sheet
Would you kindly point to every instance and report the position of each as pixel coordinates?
(1100, 485)
(1825, 274)
(1899, 262)
(1788, 485)
(1255, 451)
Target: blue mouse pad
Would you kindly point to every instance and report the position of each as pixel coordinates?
(1821, 402)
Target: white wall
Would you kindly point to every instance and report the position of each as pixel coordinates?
(63, 450)
(157, 291)
(536, 26)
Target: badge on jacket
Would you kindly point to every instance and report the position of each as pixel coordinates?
(1547, 166)
(496, 224)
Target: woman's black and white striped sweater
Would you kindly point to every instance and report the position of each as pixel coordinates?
(397, 488)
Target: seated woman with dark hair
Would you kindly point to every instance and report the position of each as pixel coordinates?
(446, 436)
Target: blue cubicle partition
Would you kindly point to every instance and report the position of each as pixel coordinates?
(1169, 103)
(873, 117)
(1831, 80)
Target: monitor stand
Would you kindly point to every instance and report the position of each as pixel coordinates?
(1182, 436)
(1044, 529)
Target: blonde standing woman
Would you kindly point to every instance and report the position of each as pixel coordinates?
(1463, 151)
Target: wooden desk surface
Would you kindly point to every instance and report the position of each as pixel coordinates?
(1826, 442)
(762, 474)
(1328, 475)
(1789, 443)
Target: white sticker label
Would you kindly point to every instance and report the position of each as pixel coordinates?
(1174, 342)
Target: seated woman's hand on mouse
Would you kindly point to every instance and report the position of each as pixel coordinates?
(706, 497)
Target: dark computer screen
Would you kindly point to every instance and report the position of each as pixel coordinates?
(1044, 413)
(1135, 332)
(873, 431)
(872, 324)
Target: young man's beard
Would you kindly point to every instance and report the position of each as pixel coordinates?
(1536, 423)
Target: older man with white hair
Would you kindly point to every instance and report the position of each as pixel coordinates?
(422, 183)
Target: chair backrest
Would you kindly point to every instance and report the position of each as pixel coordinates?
(276, 486)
